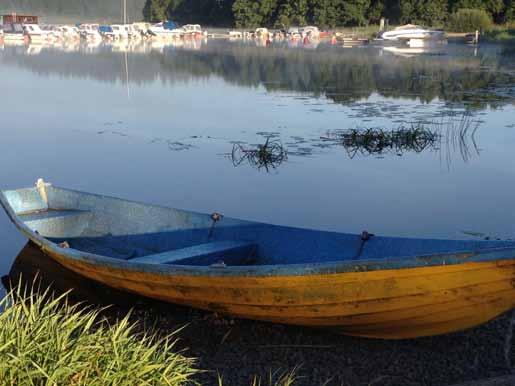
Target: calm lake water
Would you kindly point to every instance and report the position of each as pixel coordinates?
(159, 124)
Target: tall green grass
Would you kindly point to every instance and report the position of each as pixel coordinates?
(469, 20)
(45, 341)
(501, 34)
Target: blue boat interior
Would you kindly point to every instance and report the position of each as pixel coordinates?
(149, 234)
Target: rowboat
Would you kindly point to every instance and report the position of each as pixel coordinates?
(362, 285)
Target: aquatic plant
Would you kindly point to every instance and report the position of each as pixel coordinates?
(268, 156)
(446, 137)
(377, 141)
(458, 136)
(46, 341)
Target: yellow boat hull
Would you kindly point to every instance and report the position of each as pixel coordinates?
(386, 304)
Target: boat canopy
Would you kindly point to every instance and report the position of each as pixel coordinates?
(105, 29)
(169, 25)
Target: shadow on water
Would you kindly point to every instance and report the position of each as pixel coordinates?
(240, 349)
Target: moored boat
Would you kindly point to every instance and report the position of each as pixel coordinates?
(363, 285)
(90, 32)
(36, 34)
(13, 32)
(166, 30)
(412, 31)
(118, 31)
(192, 30)
(69, 32)
(262, 33)
(310, 31)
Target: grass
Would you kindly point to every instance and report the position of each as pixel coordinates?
(365, 32)
(500, 34)
(46, 341)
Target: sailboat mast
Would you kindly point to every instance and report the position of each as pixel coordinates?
(124, 11)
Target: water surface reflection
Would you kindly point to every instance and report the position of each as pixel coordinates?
(155, 123)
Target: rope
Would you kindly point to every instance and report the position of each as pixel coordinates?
(215, 217)
(365, 236)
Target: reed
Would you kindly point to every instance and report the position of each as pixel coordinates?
(46, 341)
(267, 156)
(377, 141)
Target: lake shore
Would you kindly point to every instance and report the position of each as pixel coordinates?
(238, 350)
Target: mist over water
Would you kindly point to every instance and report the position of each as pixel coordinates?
(75, 11)
(396, 143)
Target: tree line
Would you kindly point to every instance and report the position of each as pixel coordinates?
(267, 13)
(324, 13)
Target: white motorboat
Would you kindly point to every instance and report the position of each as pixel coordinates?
(119, 31)
(53, 32)
(294, 33)
(69, 32)
(90, 32)
(192, 30)
(235, 35)
(166, 30)
(412, 31)
(261, 33)
(310, 31)
(141, 28)
(36, 34)
(13, 32)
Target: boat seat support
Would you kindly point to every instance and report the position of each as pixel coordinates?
(229, 251)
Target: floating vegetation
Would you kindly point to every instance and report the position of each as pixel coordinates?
(178, 146)
(268, 156)
(447, 137)
(377, 141)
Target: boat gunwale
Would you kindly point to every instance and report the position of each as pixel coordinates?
(299, 269)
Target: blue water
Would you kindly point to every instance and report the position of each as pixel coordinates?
(158, 124)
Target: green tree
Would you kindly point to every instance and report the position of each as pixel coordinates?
(496, 8)
(156, 10)
(292, 12)
(354, 12)
(426, 12)
(432, 12)
(253, 13)
(326, 13)
(509, 14)
(375, 11)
